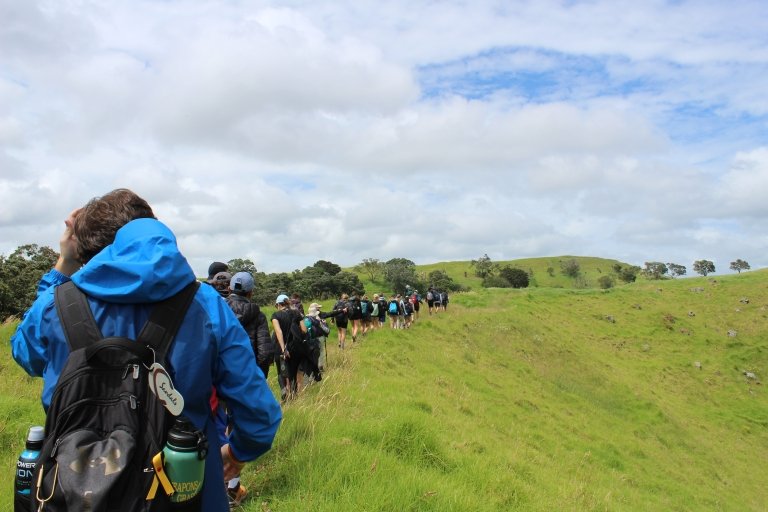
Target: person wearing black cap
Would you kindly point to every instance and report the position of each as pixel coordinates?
(215, 268)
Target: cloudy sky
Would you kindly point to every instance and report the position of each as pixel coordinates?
(288, 132)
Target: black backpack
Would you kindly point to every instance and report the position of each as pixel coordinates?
(340, 304)
(104, 426)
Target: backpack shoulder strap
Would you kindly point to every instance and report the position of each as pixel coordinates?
(81, 330)
(76, 318)
(165, 320)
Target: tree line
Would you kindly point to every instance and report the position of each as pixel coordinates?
(22, 269)
(497, 276)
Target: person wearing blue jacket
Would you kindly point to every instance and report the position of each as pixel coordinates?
(124, 259)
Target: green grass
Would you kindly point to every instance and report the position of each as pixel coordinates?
(539, 399)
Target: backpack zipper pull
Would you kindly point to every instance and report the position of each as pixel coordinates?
(55, 447)
(133, 401)
(131, 368)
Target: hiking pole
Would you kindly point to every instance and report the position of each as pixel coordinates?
(325, 341)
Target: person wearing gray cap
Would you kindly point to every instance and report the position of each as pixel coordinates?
(253, 320)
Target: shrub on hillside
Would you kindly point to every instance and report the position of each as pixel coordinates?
(496, 282)
(570, 268)
(442, 281)
(605, 282)
(516, 277)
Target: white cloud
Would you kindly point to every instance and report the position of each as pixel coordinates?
(289, 133)
(742, 187)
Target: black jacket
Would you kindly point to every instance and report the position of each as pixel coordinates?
(255, 324)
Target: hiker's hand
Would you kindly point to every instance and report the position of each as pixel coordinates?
(68, 263)
(232, 466)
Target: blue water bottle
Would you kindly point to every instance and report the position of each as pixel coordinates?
(25, 467)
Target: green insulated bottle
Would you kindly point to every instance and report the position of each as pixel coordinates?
(185, 452)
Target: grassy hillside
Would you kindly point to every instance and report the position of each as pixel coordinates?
(464, 273)
(538, 399)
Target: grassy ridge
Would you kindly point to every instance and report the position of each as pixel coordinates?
(463, 272)
(538, 399)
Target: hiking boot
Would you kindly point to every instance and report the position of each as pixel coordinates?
(236, 495)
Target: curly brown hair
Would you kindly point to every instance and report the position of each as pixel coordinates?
(97, 222)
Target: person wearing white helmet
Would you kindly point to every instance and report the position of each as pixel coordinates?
(290, 336)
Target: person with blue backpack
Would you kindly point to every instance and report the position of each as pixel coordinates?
(393, 310)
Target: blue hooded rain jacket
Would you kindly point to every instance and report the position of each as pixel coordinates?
(211, 349)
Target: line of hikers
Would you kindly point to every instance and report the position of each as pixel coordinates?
(297, 345)
(356, 315)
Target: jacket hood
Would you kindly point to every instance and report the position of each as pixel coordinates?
(143, 264)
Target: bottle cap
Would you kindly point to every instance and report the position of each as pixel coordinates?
(182, 434)
(36, 434)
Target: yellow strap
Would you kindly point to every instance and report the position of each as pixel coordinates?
(161, 477)
(153, 489)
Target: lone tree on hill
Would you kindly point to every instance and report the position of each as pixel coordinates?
(654, 269)
(570, 268)
(676, 270)
(400, 272)
(703, 267)
(739, 265)
(626, 274)
(484, 267)
(371, 267)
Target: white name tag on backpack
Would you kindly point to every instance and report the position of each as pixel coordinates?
(161, 385)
